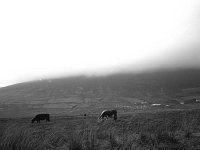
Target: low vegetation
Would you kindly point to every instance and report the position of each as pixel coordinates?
(176, 129)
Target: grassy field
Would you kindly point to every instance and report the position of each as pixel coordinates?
(162, 130)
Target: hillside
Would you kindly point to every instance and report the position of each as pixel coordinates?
(80, 94)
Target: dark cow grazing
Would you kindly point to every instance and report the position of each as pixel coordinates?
(108, 114)
(41, 117)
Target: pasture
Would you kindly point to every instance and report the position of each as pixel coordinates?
(174, 129)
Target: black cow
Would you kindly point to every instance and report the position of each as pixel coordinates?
(108, 114)
(41, 117)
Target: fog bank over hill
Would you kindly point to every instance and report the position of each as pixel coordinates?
(169, 79)
(179, 59)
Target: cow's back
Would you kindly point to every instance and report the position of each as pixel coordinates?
(42, 117)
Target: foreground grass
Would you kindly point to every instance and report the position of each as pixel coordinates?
(159, 130)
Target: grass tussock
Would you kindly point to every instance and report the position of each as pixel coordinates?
(166, 130)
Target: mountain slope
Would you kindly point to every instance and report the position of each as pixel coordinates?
(92, 94)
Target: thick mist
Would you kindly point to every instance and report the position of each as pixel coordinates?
(52, 39)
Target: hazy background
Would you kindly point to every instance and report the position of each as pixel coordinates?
(40, 39)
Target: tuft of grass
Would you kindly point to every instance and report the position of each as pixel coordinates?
(75, 145)
(166, 137)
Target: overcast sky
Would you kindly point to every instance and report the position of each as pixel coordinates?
(45, 38)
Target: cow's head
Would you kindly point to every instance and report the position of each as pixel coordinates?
(32, 121)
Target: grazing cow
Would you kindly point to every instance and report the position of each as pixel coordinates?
(41, 117)
(108, 114)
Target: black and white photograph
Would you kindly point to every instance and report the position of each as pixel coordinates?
(100, 75)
